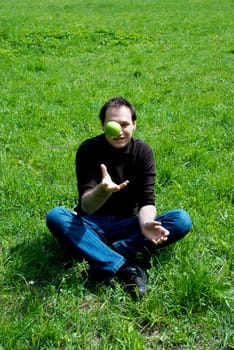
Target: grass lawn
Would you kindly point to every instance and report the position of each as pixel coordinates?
(60, 61)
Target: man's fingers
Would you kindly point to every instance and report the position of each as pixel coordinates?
(123, 184)
(164, 231)
(157, 223)
(104, 170)
(159, 240)
(106, 178)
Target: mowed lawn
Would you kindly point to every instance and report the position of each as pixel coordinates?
(60, 61)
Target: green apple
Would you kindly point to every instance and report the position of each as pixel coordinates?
(112, 129)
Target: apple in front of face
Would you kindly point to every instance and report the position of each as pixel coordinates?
(112, 129)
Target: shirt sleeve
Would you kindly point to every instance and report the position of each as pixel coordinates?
(88, 172)
(146, 179)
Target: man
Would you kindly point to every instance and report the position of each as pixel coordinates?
(116, 216)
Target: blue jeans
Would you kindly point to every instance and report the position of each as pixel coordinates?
(108, 242)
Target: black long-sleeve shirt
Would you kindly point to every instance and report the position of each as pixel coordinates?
(135, 163)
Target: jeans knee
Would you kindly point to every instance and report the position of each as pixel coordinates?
(184, 221)
(54, 220)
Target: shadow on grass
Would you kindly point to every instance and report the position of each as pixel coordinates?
(44, 261)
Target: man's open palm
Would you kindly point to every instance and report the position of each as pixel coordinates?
(108, 184)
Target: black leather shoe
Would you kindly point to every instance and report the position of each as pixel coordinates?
(100, 277)
(135, 278)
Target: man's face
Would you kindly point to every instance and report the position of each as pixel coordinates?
(123, 116)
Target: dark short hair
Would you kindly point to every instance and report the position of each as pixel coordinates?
(116, 102)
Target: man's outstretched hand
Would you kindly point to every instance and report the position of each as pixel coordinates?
(107, 184)
(155, 232)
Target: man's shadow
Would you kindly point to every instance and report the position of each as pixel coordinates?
(44, 261)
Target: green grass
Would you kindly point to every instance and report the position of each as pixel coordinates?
(60, 60)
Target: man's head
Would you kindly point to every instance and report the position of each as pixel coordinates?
(118, 109)
(116, 102)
